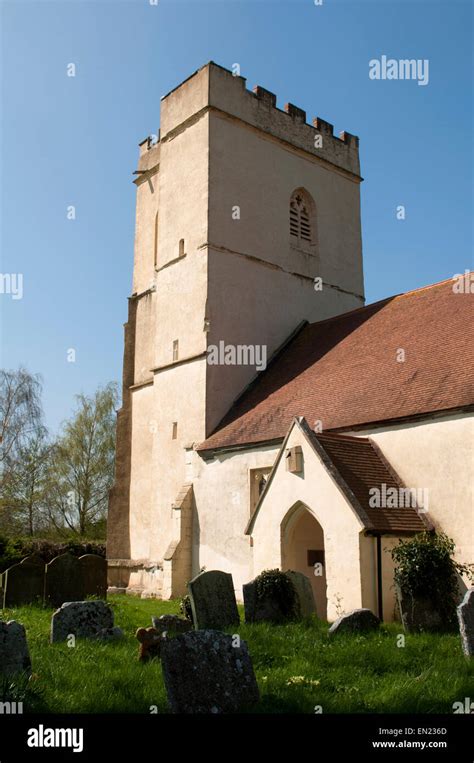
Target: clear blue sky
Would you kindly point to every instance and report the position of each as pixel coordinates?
(73, 141)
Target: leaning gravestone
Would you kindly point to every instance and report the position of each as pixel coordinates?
(465, 613)
(304, 591)
(83, 619)
(14, 654)
(357, 621)
(94, 575)
(205, 673)
(63, 581)
(23, 584)
(213, 600)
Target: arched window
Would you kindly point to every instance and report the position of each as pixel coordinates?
(302, 221)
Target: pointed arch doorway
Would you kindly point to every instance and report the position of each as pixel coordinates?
(302, 550)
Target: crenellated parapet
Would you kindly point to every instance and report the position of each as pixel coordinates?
(214, 88)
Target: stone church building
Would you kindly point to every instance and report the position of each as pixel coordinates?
(323, 430)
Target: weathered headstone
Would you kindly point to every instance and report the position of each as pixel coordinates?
(83, 619)
(14, 654)
(418, 613)
(171, 624)
(63, 581)
(94, 575)
(465, 613)
(23, 584)
(357, 621)
(269, 606)
(205, 672)
(304, 591)
(213, 600)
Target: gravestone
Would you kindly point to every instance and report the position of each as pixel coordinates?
(213, 600)
(94, 575)
(63, 581)
(418, 613)
(205, 673)
(465, 613)
(304, 591)
(83, 619)
(268, 607)
(14, 654)
(33, 559)
(357, 621)
(171, 624)
(109, 634)
(23, 584)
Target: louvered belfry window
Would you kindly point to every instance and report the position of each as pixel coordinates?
(300, 224)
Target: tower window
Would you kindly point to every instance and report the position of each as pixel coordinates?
(174, 434)
(301, 214)
(181, 248)
(175, 349)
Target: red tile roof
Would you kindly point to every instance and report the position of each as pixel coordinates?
(344, 371)
(362, 467)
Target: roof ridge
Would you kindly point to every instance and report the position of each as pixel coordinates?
(384, 299)
(429, 286)
(337, 436)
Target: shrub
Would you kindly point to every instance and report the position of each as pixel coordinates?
(9, 554)
(276, 585)
(425, 568)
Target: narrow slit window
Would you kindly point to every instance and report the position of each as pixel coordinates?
(181, 248)
(175, 349)
(174, 434)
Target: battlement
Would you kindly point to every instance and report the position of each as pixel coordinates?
(213, 88)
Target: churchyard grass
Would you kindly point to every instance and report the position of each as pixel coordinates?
(298, 667)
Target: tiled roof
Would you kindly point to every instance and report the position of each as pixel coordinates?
(345, 371)
(362, 467)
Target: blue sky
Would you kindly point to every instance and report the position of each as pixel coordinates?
(73, 141)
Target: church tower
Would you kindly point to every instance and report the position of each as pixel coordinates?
(247, 223)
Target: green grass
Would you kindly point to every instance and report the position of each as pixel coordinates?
(297, 666)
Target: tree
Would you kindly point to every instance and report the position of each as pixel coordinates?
(20, 410)
(22, 449)
(24, 486)
(82, 464)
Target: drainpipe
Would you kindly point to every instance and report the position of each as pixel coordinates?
(378, 540)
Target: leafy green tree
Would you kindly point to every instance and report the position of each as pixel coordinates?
(24, 487)
(82, 464)
(20, 410)
(22, 449)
